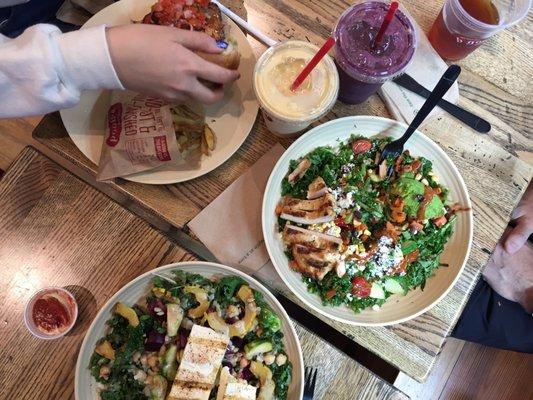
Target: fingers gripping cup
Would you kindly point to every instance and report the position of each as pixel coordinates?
(288, 112)
(363, 67)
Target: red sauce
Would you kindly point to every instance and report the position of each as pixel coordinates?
(50, 315)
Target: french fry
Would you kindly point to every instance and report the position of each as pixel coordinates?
(203, 146)
(209, 138)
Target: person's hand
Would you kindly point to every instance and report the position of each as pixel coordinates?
(510, 270)
(522, 219)
(159, 60)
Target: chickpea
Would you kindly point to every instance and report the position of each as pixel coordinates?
(104, 371)
(144, 360)
(244, 362)
(281, 359)
(233, 311)
(153, 361)
(140, 375)
(269, 359)
(150, 380)
(136, 356)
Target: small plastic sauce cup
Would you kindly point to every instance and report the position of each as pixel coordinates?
(53, 297)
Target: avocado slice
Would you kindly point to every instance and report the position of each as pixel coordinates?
(409, 189)
(257, 347)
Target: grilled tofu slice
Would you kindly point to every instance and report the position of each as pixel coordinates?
(317, 189)
(199, 365)
(295, 235)
(312, 262)
(308, 212)
(231, 388)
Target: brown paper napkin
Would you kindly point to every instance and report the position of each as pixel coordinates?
(230, 227)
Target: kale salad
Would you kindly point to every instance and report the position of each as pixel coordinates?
(356, 235)
(193, 337)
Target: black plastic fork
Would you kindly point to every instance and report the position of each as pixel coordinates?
(310, 381)
(395, 148)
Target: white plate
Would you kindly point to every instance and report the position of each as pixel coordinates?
(85, 385)
(397, 308)
(231, 119)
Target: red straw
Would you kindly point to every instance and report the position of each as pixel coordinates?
(386, 22)
(313, 63)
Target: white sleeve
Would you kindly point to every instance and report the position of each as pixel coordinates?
(43, 70)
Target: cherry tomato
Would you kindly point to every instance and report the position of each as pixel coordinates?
(360, 287)
(361, 146)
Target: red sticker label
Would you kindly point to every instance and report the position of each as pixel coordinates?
(161, 148)
(114, 123)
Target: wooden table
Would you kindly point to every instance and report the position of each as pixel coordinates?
(57, 230)
(495, 84)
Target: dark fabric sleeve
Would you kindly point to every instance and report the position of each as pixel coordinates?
(14, 20)
(492, 320)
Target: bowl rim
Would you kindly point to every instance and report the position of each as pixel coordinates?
(177, 265)
(303, 298)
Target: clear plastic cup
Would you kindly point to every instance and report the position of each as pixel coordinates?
(286, 113)
(362, 68)
(463, 25)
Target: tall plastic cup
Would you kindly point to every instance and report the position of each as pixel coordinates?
(463, 25)
(287, 113)
(362, 67)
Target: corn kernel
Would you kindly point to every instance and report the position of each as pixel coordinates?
(367, 232)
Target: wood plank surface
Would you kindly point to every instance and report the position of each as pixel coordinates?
(57, 230)
(495, 85)
(490, 374)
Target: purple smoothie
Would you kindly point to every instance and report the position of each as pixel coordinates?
(362, 69)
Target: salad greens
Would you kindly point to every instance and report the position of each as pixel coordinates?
(392, 229)
(139, 355)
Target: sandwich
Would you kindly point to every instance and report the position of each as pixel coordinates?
(200, 16)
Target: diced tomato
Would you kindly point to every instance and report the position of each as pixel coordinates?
(360, 287)
(440, 221)
(341, 223)
(361, 146)
(331, 293)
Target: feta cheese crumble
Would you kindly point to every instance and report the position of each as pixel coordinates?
(386, 258)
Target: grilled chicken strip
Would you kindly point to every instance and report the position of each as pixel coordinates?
(311, 262)
(296, 235)
(308, 212)
(300, 171)
(317, 189)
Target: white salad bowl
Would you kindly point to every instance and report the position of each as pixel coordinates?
(84, 383)
(397, 308)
